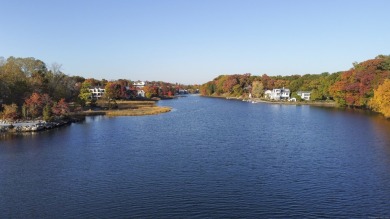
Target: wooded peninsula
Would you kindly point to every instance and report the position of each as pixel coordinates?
(32, 91)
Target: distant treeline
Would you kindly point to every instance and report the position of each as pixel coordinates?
(30, 89)
(366, 85)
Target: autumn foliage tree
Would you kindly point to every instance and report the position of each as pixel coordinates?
(355, 87)
(228, 85)
(61, 108)
(257, 89)
(150, 91)
(21, 77)
(381, 100)
(114, 91)
(33, 105)
(10, 111)
(42, 105)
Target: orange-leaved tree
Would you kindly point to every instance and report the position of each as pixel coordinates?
(355, 87)
(381, 100)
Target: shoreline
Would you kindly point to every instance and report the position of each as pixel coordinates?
(141, 111)
(39, 125)
(258, 100)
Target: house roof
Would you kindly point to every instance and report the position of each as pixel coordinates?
(96, 87)
(282, 89)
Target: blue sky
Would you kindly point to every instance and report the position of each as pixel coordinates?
(193, 41)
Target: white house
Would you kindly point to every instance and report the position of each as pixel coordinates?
(304, 95)
(280, 93)
(140, 93)
(139, 86)
(97, 92)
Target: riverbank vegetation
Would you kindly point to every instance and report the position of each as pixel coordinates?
(128, 108)
(142, 111)
(31, 90)
(363, 86)
(133, 108)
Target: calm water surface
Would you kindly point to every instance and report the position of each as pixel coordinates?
(207, 158)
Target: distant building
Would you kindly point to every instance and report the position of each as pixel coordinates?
(140, 93)
(139, 87)
(304, 95)
(140, 84)
(97, 92)
(182, 91)
(280, 94)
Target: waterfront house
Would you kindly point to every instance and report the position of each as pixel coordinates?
(280, 94)
(305, 95)
(139, 84)
(97, 92)
(139, 87)
(182, 91)
(140, 93)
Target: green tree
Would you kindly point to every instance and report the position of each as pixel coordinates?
(257, 89)
(47, 113)
(85, 94)
(14, 85)
(237, 90)
(25, 111)
(296, 96)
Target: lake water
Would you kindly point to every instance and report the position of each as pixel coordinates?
(211, 158)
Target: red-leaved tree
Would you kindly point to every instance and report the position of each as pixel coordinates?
(61, 108)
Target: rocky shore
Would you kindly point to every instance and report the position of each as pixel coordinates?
(138, 109)
(34, 125)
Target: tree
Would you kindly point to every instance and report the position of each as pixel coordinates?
(25, 111)
(381, 100)
(35, 70)
(47, 113)
(14, 84)
(85, 94)
(355, 87)
(46, 100)
(230, 82)
(61, 108)
(208, 88)
(113, 91)
(34, 105)
(296, 96)
(257, 89)
(59, 85)
(237, 90)
(10, 111)
(150, 91)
